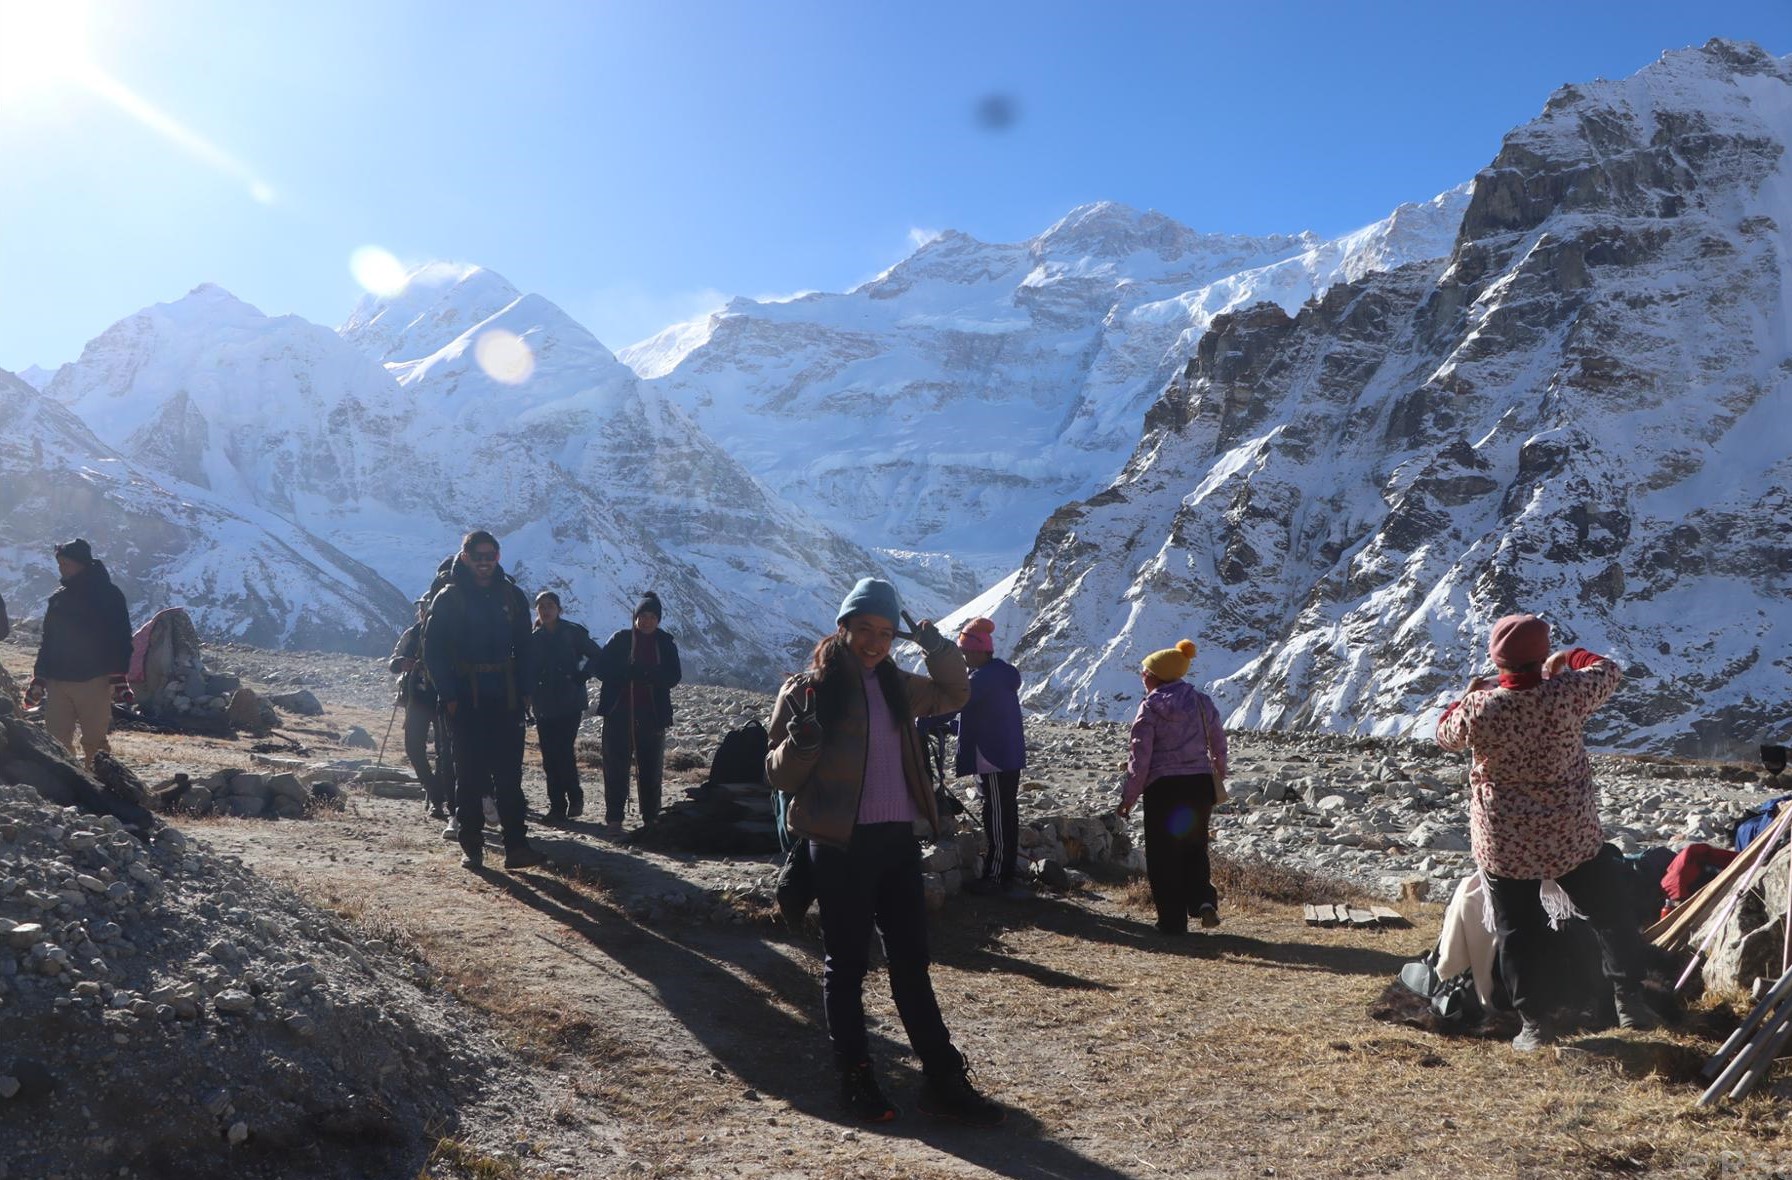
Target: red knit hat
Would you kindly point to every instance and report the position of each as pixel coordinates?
(1519, 640)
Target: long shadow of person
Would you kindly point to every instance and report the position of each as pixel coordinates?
(1079, 922)
(768, 1048)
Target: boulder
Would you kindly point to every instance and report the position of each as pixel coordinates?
(248, 785)
(302, 702)
(359, 739)
(288, 786)
(245, 806)
(1749, 945)
(244, 711)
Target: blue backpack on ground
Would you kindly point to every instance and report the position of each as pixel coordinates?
(1758, 820)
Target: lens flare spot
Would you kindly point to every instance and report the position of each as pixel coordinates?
(1181, 821)
(505, 356)
(378, 272)
(261, 192)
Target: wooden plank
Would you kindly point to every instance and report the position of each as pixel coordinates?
(1389, 916)
(1341, 915)
(1362, 918)
(1310, 912)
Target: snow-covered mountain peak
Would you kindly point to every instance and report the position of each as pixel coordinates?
(439, 301)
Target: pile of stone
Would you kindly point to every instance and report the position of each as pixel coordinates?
(275, 1041)
(281, 788)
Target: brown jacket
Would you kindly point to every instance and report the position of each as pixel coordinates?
(824, 784)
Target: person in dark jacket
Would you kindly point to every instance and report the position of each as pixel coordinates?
(565, 659)
(639, 668)
(992, 745)
(84, 654)
(423, 718)
(476, 646)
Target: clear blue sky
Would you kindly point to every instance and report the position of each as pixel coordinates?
(632, 161)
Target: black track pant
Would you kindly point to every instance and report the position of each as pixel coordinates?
(875, 883)
(1598, 889)
(1177, 811)
(1001, 824)
(557, 735)
(488, 750)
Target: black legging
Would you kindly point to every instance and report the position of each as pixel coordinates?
(1177, 811)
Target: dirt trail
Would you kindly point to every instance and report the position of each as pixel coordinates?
(676, 1043)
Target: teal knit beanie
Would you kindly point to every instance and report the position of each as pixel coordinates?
(872, 596)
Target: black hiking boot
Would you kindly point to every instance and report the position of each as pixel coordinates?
(860, 1095)
(1634, 1010)
(948, 1094)
(1534, 1035)
(472, 859)
(523, 857)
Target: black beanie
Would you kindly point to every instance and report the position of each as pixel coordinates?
(649, 605)
(76, 550)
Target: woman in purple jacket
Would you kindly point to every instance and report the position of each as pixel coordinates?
(1178, 762)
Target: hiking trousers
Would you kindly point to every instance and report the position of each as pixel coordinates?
(87, 703)
(1001, 824)
(488, 752)
(649, 758)
(1598, 889)
(1178, 809)
(875, 882)
(420, 722)
(558, 763)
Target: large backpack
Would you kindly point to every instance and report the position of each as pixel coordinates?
(741, 756)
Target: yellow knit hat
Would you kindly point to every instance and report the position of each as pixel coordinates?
(1172, 662)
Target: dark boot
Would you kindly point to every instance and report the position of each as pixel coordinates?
(523, 856)
(948, 1094)
(860, 1095)
(1634, 1009)
(1534, 1035)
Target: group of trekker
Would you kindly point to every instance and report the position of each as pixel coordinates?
(847, 748)
(475, 670)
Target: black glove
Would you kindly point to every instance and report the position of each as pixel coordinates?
(804, 729)
(923, 635)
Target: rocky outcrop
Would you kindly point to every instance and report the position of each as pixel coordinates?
(1569, 415)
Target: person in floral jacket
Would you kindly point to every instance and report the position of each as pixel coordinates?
(1534, 815)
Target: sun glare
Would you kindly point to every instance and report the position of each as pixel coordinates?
(42, 42)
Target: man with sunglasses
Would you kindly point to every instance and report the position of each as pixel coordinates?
(476, 646)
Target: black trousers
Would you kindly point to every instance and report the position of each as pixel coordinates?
(649, 758)
(421, 721)
(1598, 889)
(1001, 824)
(488, 748)
(875, 882)
(557, 735)
(1177, 812)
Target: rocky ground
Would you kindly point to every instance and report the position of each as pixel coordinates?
(332, 995)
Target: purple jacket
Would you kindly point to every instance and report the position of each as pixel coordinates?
(1177, 731)
(990, 722)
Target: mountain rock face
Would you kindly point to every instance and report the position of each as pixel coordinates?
(1581, 412)
(463, 403)
(973, 387)
(244, 574)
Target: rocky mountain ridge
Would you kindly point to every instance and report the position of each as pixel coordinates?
(1576, 413)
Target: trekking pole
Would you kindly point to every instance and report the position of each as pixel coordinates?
(1746, 1030)
(395, 703)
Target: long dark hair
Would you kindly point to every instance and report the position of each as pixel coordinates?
(832, 669)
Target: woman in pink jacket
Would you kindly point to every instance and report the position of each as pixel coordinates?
(1178, 763)
(1534, 815)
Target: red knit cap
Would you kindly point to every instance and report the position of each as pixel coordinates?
(1519, 640)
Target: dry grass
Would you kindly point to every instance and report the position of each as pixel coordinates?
(460, 1161)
